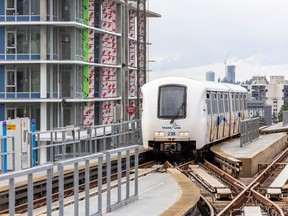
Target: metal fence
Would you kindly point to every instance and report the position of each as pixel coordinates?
(7, 154)
(11, 177)
(74, 163)
(249, 130)
(285, 118)
(128, 198)
(71, 142)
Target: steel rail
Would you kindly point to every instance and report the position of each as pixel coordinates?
(224, 175)
(206, 203)
(240, 199)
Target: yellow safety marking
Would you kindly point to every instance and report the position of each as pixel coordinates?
(189, 195)
(11, 126)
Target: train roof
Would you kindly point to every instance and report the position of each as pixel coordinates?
(204, 85)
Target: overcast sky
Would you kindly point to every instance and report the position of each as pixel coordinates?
(195, 36)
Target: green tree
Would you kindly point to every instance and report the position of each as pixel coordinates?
(274, 118)
(283, 108)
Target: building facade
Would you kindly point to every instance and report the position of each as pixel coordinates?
(266, 98)
(285, 92)
(210, 76)
(276, 93)
(69, 62)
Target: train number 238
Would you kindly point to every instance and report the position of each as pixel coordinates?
(171, 133)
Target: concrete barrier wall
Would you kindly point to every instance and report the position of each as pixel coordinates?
(250, 165)
(285, 118)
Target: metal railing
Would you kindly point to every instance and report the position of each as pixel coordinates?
(7, 156)
(249, 130)
(119, 203)
(74, 163)
(71, 142)
(11, 177)
(285, 118)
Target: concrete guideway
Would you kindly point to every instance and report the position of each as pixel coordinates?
(253, 191)
(264, 149)
(276, 128)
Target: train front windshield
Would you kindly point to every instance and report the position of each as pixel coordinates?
(172, 102)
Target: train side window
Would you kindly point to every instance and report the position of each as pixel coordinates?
(237, 103)
(220, 102)
(233, 103)
(241, 102)
(226, 103)
(214, 103)
(245, 102)
(208, 103)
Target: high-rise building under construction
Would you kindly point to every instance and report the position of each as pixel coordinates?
(68, 62)
(210, 76)
(230, 73)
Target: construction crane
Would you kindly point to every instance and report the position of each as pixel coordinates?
(225, 62)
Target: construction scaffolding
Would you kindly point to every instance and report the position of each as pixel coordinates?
(141, 51)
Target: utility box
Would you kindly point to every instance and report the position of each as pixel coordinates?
(19, 129)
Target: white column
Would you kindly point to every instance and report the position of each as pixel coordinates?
(43, 127)
(43, 105)
(43, 80)
(43, 76)
(43, 10)
(43, 108)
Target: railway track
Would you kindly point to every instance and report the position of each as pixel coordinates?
(253, 193)
(250, 195)
(40, 185)
(208, 198)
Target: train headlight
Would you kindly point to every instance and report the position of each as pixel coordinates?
(159, 133)
(183, 133)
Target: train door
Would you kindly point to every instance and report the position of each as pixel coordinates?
(232, 114)
(226, 115)
(209, 117)
(220, 117)
(215, 114)
(245, 107)
(238, 113)
(241, 109)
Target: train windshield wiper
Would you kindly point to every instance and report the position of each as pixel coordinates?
(178, 111)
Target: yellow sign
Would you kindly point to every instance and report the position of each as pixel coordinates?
(11, 126)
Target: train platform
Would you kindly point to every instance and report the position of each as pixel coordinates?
(279, 127)
(262, 150)
(169, 193)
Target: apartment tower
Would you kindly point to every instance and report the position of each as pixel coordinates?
(69, 62)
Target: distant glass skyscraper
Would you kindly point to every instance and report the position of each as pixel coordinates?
(210, 76)
(230, 73)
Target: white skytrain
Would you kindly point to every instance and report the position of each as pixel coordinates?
(181, 115)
